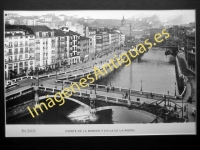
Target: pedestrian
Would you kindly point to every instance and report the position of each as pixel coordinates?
(113, 88)
(184, 108)
(126, 94)
(107, 89)
(175, 108)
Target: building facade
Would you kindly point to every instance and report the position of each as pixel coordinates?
(74, 45)
(84, 48)
(45, 55)
(102, 42)
(112, 40)
(62, 47)
(19, 51)
(190, 50)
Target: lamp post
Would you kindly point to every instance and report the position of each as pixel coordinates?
(95, 88)
(168, 98)
(182, 108)
(175, 88)
(129, 94)
(141, 85)
(62, 84)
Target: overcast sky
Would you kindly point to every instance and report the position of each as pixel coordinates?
(114, 14)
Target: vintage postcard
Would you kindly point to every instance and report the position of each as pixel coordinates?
(100, 72)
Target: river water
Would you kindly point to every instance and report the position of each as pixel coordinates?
(154, 69)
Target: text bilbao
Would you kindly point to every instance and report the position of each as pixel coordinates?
(113, 63)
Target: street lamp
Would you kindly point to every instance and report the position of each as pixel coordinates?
(141, 85)
(175, 88)
(62, 84)
(95, 87)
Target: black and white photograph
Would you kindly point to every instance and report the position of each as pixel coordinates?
(99, 72)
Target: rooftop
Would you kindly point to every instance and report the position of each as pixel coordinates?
(18, 27)
(39, 28)
(84, 38)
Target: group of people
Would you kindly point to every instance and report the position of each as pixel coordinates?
(125, 95)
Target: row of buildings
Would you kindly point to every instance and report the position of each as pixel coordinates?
(182, 37)
(39, 47)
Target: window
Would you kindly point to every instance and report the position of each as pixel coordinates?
(26, 37)
(16, 50)
(31, 62)
(16, 37)
(26, 49)
(21, 43)
(31, 36)
(21, 50)
(10, 37)
(26, 55)
(20, 56)
(26, 43)
(16, 43)
(21, 37)
(15, 57)
(10, 50)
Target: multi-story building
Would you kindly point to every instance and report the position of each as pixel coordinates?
(74, 45)
(62, 47)
(122, 39)
(112, 39)
(84, 48)
(190, 49)
(92, 36)
(19, 50)
(62, 17)
(117, 40)
(45, 55)
(102, 42)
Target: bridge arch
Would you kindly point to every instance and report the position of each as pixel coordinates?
(71, 99)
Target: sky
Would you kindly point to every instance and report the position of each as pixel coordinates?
(113, 14)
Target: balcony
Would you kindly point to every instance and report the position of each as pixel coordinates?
(15, 52)
(15, 45)
(9, 46)
(21, 45)
(31, 51)
(26, 51)
(21, 52)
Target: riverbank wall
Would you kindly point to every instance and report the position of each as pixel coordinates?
(181, 78)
